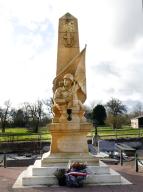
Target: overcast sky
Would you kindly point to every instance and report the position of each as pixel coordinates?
(112, 30)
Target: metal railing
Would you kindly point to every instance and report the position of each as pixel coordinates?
(24, 137)
(120, 133)
(138, 162)
(3, 161)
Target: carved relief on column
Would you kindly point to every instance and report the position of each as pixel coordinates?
(68, 35)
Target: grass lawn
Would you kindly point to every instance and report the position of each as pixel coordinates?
(24, 134)
(18, 130)
(125, 132)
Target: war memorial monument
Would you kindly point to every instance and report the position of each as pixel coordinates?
(69, 127)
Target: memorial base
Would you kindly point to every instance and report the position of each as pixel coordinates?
(39, 176)
(69, 144)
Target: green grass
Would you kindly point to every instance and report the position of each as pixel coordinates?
(16, 131)
(23, 134)
(124, 132)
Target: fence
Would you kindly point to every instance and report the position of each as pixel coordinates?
(120, 133)
(138, 162)
(102, 132)
(24, 137)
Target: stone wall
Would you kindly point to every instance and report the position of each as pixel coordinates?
(23, 147)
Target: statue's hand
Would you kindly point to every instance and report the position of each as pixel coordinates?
(75, 87)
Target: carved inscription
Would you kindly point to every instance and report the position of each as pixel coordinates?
(68, 36)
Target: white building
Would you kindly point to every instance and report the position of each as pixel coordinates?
(137, 122)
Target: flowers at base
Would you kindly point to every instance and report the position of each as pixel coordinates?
(72, 177)
(61, 177)
(77, 166)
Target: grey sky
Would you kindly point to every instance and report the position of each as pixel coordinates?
(112, 30)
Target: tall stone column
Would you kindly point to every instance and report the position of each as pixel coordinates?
(68, 41)
(69, 128)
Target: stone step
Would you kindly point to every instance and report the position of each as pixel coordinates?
(52, 180)
(39, 180)
(113, 177)
(99, 175)
(64, 159)
(37, 170)
(98, 169)
(29, 180)
(47, 171)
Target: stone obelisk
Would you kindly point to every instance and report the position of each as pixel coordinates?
(69, 128)
(68, 41)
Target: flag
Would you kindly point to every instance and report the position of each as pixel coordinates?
(77, 68)
(80, 76)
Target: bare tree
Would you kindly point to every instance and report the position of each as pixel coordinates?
(4, 113)
(49, 105)
(138, 110)
(35, 112)
(115, 109)
(27, 114)
(38, 114)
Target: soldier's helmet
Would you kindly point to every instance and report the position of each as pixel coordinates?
(69, 76)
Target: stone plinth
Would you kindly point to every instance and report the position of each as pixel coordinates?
(38, 176)
(69, 137)
(69, 142)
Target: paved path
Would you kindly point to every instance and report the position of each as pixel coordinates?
(9, 175)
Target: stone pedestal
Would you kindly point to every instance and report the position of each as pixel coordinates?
(39, 176)
(69, 142)
(69, 137)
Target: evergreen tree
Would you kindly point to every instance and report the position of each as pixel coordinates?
(99, 114)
